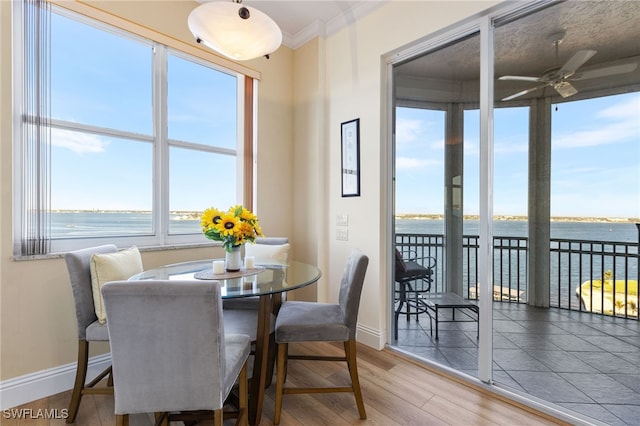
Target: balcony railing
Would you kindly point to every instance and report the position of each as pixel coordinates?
(579, 271)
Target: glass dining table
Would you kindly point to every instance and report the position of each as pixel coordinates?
(265, 280)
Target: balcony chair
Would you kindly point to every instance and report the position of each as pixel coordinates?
(413, 277)
(89, 329)
(300, 321)
(170, 353)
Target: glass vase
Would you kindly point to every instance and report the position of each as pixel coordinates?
(233, 260)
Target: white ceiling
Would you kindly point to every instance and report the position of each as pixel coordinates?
(301, 20)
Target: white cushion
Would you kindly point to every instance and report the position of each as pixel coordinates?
(268, 253)
(107, 267)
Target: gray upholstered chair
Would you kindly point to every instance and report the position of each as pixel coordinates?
(241, 314)
(323, 322)
(170, 353)
(89, 329)
(265, 249)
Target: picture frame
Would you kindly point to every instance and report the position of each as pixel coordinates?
(350, 156)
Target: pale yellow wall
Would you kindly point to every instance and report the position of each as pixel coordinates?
(310, 223)
(274, 178)
(37, 320)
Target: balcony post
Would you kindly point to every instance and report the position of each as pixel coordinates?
(538, 284)
(453, 177)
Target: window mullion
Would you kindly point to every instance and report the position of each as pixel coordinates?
(161, 151)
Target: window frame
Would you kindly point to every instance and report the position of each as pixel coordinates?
(160, 226)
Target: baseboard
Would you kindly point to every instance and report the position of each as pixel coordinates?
(371, 337)
(34, 386)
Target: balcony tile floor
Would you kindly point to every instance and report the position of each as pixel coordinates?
(584, 362)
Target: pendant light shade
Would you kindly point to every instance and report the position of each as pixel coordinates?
(236, 31)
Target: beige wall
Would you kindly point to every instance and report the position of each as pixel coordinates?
(37, 320)
(303, 98)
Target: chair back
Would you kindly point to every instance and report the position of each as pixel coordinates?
(79, 268)
(351, 289)
(274, 250)
(167, 345)
(272, 241)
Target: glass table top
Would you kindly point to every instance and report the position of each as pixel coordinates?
(264, 279)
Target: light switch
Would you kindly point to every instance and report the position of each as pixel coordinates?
(342, 219)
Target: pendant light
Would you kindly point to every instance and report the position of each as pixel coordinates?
(236, 31)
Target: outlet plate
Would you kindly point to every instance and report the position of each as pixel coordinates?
(342, 234)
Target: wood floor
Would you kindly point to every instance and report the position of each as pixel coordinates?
(396, 391)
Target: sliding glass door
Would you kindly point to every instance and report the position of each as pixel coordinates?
(528, 120)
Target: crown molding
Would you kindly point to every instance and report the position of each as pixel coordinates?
(323, 29)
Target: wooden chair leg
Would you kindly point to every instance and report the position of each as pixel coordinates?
(81, 377)
(162, 419)
(280, 377)
(243, 397)
(350, 351)
(122, 420)
(218, 417)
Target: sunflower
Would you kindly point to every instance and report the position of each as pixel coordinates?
(245, 215)
(227, 225)
(210, 218)
(233, 228)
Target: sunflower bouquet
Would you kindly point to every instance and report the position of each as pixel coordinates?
(233, 227)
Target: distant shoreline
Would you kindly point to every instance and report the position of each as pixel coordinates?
(411, 216)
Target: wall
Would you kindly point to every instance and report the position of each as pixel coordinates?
(37, 320)
(310, 223)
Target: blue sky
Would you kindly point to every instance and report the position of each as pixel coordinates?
(595, 160)
(106, 80)
(595, 148)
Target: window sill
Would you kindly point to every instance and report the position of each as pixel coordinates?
(142, 250)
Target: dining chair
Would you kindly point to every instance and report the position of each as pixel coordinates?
(300, 321)
(89, 329)
(265, 250)
(241, 314)
(171, 355)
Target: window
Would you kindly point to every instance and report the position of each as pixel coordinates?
(134, 138)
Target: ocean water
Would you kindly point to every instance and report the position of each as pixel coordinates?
(82, 224)
(99, 224)
(567, 269)
(623, 232)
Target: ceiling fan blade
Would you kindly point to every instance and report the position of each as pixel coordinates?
(524, 92)
(565, 89)
(576, 61)
(605, 71)
(519, 78)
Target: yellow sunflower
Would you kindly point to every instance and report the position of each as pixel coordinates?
(233, 227)
(210, 218)
(227, 226)
(247, 215)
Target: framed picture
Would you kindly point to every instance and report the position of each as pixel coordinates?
(351, 158)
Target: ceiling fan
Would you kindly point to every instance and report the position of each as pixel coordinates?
(559, 77)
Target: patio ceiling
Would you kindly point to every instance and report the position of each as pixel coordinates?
(523, 47)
